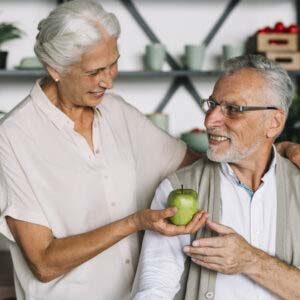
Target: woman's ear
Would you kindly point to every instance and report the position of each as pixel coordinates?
(53, 73)
(276, 123)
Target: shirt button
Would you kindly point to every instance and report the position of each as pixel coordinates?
(97, 151)
(127, 261)
(209, 295)
(113, 204)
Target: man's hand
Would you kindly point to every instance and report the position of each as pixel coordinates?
(228, 253)
(157, 220)
(291, 151)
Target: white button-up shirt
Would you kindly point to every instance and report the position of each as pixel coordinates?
(50, 176)
(252, 215)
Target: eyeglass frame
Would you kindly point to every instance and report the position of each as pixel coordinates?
(240, 108)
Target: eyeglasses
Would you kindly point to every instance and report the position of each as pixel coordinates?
(230, 110)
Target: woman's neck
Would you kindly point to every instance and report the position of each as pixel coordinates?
(76, 113)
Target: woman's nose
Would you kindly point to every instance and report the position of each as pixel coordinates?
(106, 79)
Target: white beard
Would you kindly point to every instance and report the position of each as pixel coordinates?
(235, 153)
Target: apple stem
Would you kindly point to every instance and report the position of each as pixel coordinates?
(182, 189)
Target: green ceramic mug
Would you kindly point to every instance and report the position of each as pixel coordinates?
(155, 56)
(230, 51)
(161, 120)
(197, 141)
(194, 56)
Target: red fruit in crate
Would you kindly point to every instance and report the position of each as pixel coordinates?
(268, 29)
(196, 130)
(279, 27)
(260, 31)
(292, 28)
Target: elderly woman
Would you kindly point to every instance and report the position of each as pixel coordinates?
(79, 167)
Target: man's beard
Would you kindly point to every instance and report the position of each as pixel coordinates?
(235, 152)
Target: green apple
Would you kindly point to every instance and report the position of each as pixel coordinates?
(186, 202)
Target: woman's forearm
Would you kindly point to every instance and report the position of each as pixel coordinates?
(64, 254)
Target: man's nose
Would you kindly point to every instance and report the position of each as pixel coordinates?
(106, 79)
(214, 118)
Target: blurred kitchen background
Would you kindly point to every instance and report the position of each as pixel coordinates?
(176, 23)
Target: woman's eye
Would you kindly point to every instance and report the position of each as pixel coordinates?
(93, 74)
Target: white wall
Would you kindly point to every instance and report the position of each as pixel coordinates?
(176, 22)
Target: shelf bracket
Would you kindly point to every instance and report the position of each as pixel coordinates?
(176, 83)
(229, 8)
(147, 30)
(170, 92)
(185, 81)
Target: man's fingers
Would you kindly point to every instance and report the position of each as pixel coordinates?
(210, 266)
(219, 228)
(213, 242)
(205, 251)
(208, 259)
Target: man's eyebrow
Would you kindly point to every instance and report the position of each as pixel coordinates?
(228, 101)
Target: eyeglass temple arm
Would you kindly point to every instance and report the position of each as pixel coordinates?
(249, 108)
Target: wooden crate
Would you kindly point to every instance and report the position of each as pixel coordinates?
(288, 60)
(7, 293)
(281, 42)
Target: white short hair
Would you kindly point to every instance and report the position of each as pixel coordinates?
(278, 79)
(70, 30)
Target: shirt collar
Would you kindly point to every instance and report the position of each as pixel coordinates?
(229, 173)
(58, 118)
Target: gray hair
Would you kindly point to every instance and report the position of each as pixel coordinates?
(70, 30)
(277, 78)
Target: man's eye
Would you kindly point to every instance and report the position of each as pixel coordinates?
(232, 109)
(212, 104)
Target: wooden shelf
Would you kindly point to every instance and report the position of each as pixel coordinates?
(21, 73)
(127, 74)
(39, 73)
(179, 73)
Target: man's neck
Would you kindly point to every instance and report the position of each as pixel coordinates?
(251, 170)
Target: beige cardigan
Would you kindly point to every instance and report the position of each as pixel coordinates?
(203, 176)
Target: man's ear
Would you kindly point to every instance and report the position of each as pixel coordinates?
(276, 123)
(53, 73)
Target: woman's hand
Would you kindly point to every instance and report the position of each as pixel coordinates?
(157, 220)
(290, 150)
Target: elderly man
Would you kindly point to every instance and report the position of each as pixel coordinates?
(250, 248)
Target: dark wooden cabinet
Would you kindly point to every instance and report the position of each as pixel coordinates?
(6, 277)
